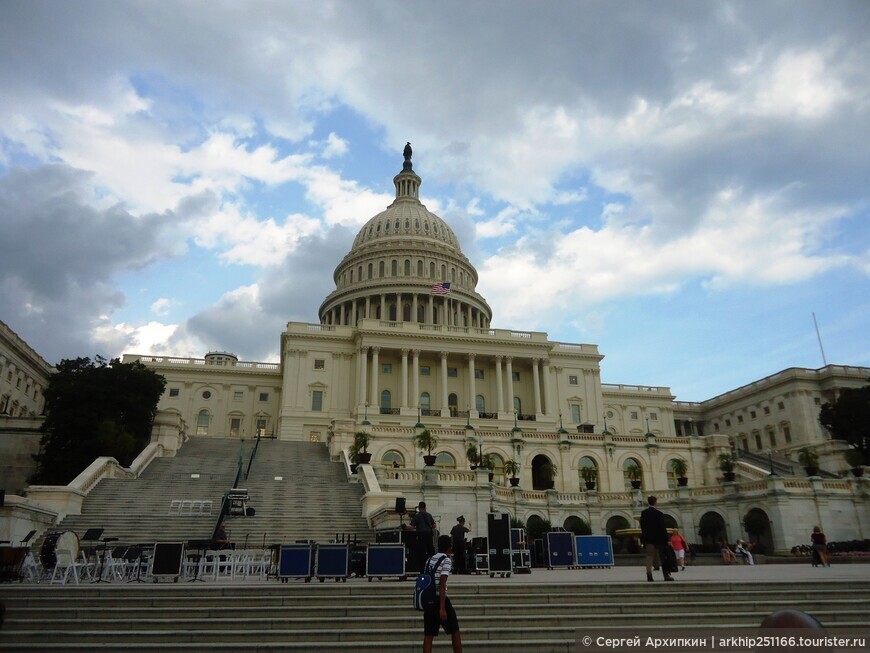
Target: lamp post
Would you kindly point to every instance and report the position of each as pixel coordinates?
(562, 430)
(419, 424)
(770, 462)
(366, 421)
(516, 429)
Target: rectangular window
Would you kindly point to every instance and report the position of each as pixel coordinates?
(478, 374)
(387, 368)
(758, 441)
(452, 372)
(771, 437)
(238, 395)
(173, 392)
(515, 376)
(654, 416)
(817, 401)
(264, 396)
(235, 425)
(745, 444)
(314, 436)
(261, 427)
(633, 414)
(715, 426)
(319, 364)
(572, 380)
(317, 400)
(727, 423)
(781, 405)
(767, 410)
(575, 413)
(752, 414)
(786, 431)
(740, 419)
(424, 370)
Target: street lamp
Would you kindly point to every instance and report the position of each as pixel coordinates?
(366, 421)
(562, 430)
(419, 424)
(516, 429)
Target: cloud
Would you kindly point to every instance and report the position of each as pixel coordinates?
(161, 306)
(335, 146)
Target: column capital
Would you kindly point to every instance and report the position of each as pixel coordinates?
(499, 358)
(508, 359)
(443, 354)
(471, 357)
(405, 351)
(416, 352)
(375, 350)
(535, 361)
(364, 349)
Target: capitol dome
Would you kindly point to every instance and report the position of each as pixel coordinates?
(397, 259)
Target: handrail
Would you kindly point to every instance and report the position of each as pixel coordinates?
(253, 453)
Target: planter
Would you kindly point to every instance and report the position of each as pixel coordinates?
(811, 471)
(635, 485)
(682, 481)
(857, 472)
(729, 476)
(363, 458)
(590, 485)
(353, 468)
(491, 476)
(547, 485)
(514, 481)
(429, 461)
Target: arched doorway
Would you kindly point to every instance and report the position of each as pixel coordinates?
(757, 525)
(577, 525)
(623, 543)
(711, 527)
(536, 527)
(541, 479)
(670, 522)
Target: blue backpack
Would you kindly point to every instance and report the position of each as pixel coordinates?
(425, 592)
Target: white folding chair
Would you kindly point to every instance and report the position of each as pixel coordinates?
(175, 507)
(66, 563)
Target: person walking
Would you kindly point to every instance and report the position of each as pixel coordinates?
(654, 537)
(457, 534)
(680, 546)
(820, 546)
(441, 614)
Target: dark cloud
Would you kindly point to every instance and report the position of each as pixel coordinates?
(61, 256)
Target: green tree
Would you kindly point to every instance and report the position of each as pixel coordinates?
(848, 419)
(95, 408)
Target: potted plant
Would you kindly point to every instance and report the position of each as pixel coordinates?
(590, 476)
(425, 441)
(680, 468)
(727, 461)
(548, 475)
(487, 462)
(361, 441)
(855, 458)
(473, 455)
(353, 455)
(512, 467)
(635, 475)
(810, 460)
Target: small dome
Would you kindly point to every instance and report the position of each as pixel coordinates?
(403, 219)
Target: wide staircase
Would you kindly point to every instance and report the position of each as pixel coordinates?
(179, 498)
(527, 617)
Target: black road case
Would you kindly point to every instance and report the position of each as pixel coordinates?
(499, 539)
(296, 561)
(385, 561)
(332, 561)
(560, 550)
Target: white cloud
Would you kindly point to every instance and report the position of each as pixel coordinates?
(335, 146)
(800, 84)
(162, 306)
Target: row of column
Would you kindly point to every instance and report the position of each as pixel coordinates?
(369, 389)
(449, 311)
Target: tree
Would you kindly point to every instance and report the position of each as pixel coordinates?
(848, 419)
(95, 408)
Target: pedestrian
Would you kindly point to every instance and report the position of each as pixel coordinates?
(424, 526)
(679, 545)
(820, 546)
(441, 614)
(742, 550)
(457, 534)
(655, 539)
(727, 554)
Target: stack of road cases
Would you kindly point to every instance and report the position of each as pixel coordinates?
(499, 539)
(521, 558)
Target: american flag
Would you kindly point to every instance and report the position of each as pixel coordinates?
(441, 289)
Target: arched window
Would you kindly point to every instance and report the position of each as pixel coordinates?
(406, 312)
(453, 275)
(673, 474)
(432, 270)
(393, 317)
(381, 269)
(407, 268)
(421, 313)
(386, 401)
(497, 468)
(359, 273)
(586, 463)
(632, 471)
(394, 268)
(393, 459)
(445, 460)
(425, 405)
(480, 404)
(518, 406)
(542, 472)
(419, 268)
(443, 273)
(371, 270)
(453, 404)
(202, 421)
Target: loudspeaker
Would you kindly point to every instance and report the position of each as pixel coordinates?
(400, 505)
(3, 499)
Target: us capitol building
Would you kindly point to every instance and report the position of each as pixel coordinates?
(405, 343)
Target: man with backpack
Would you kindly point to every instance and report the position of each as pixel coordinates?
(440, 614)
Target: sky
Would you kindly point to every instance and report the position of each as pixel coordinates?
(681, 183)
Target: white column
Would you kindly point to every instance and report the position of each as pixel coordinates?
(549, 407)
(400, 312)
(443, 380)
(445, 311)
(404, 378)
(415, 383)
(376, 372)
(509, 373)
(470, 321)
(536, 385)
(368, 307)
(414, 307)
(472, 386)
(384, 315)
(341, 314)
(430, 311)
(499, 386)
(362, 363)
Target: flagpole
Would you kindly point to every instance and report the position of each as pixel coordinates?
(819, 336)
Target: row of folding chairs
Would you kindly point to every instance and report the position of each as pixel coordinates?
(229, 564)
(92, 564)
(190, 506)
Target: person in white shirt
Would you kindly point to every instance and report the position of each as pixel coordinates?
(441, 615)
